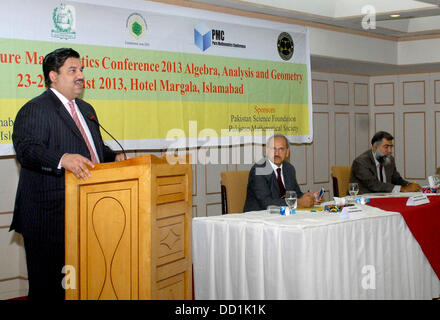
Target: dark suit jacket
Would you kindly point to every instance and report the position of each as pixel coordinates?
(263, 190)
(43, 131)
(364, 172)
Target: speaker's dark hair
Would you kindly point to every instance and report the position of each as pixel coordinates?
(55, 60)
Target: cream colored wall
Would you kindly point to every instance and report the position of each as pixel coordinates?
(330, 43)
(12, 259)
(408, 106)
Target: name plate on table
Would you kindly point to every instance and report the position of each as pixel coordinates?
(417, 200)
(347, 211)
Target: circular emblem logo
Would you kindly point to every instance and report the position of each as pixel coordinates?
(285, 46)
(62, 17)
(137, 26)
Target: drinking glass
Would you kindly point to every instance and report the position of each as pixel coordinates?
(291, 199)
(353, 189)
(436, 179)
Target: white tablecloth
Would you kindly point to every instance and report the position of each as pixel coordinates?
(307, 255)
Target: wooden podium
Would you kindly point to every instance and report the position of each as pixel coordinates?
(128, 231)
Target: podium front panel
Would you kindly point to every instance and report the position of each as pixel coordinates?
(128, 231)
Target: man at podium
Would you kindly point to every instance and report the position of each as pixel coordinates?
(53, 133)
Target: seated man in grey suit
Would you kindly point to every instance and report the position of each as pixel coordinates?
(270, 177)
(375, 169)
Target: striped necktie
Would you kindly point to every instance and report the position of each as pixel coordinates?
(81, 129)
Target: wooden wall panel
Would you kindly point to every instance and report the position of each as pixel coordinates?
(214, 209)
(384, 122)
(13, 272)
(437, 91)
(362, 133)
(298, 157)
(9, 172)
(212, 177)
(321, 150)
(413, 92)
(384, 94)
(342, 139)
(360, 94)
(8, 266)
(341, 93)
(414, 145)
(194, 211)
(194, 173)
(320, 91)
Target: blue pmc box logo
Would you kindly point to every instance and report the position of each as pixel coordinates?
(202, 36)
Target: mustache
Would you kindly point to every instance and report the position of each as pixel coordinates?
(386, 160)
(383, 159)
(79, 81)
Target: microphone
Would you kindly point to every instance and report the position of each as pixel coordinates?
(92, 117)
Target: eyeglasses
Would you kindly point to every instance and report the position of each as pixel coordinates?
(279, 150)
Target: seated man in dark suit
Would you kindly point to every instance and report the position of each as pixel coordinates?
(270, 177)
(375, 169)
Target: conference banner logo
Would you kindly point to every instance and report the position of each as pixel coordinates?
(202, 36)
(136, 26)
(285, 46)
(205, 38)
(64, 19)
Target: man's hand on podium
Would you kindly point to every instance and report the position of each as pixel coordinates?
(121, 157)
(77, 164)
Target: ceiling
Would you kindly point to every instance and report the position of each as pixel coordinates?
(418, 19)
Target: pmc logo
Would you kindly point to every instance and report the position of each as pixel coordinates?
(202, 36)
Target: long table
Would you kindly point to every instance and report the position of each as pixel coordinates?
(310, 255)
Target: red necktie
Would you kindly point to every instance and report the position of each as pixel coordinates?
(280, 183)
(81, 129)
(380, 172)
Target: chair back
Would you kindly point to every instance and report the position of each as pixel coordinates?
(233, 187)
(340, 177)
